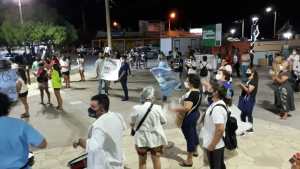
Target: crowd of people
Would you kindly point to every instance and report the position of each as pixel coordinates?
(207, 85)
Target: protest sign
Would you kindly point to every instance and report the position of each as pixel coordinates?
(110, 69)
(167, 79)
(8, 80)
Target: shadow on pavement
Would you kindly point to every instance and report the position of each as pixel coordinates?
(131, 99)
(172, 152)
(134, 90)
(49, 111)
(267, 105)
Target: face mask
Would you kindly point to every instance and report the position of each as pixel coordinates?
(218, 77)
(248, 74)
(294, 52)
(186, 85)
(92, 113)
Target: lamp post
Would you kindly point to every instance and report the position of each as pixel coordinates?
(20, 11)
(268, 10)
(172, 16)
(108, 28)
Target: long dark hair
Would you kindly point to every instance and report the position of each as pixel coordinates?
(222, 92)
(57, 68)
(22, 74)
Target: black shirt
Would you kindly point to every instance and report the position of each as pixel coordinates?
(254, 83)
(194, 97)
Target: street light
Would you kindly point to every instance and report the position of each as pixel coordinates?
(288, 35)
(115, 24)
(172, 16)
(233, 31)
(268, 10)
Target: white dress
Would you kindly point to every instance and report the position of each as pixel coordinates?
(151, 133)
(80, 62)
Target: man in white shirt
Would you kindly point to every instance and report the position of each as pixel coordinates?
(104, 143)
(294, 61)
(103, 84)
(213, 129)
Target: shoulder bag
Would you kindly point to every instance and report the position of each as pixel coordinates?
(133, 131)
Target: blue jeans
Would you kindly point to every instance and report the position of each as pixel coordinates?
(244, 71)
(103, 87)
(189, 131)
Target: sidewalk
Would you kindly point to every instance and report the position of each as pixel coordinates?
(268, 148)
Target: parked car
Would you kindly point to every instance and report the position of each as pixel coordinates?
(150, 52)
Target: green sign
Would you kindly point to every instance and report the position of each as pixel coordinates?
(212, 35)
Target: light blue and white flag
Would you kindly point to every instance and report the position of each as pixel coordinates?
(8, 80)
(166, 78)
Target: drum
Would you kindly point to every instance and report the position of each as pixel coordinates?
(79, 162)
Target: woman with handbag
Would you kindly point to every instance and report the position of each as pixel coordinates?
(147, 121)
(248, 96)
(188, 116)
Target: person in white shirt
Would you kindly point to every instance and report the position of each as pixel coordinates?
(22, 90)
(205, 69)
(226, 66)
(150, 136)
(213, 130)
(294, 61)
(65, 70)
(104, 143)
(103, 84)
(80, 62)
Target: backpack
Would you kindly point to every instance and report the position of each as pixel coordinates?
(204, 71)
(42, 77)
(230, 139)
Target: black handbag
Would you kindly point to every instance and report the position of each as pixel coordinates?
(141, 122)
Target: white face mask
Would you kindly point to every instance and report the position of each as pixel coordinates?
(186, 85)
(218, 77)
(294, 52)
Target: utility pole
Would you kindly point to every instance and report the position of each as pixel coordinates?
(275, 23)
(108, 28)
(21, 12)
(243, 28)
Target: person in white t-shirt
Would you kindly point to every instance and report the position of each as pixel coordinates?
(22, 90)
(294, 62)
(213, 130)
(149, 134)
(65, 70)
(80, 62)
(226, 66)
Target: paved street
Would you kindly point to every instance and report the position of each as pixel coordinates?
(269, 147)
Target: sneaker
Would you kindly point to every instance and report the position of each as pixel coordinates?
(125, 99)
(250, 130)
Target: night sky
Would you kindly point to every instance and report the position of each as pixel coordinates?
(128, 12)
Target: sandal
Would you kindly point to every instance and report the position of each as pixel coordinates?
(25, 115)
(183, 164)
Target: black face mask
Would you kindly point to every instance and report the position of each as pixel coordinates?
(248, 74)
(92, 113)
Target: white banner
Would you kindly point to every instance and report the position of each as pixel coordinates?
(8, 83)
(110, 69)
